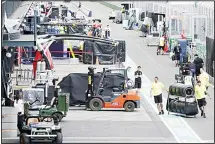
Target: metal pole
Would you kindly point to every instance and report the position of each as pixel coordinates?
(35, 25)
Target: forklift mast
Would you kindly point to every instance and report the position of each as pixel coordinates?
(90, 89)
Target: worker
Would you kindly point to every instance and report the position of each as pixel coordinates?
(156, 91)
(61, 29)
(123, 10)
(192, 68)
(79, 4)
(204, 78)
(198, 63)
(200, 93)
(138, 77)
(90, 32)
(107, 32)
(177, 52)
(161, 45)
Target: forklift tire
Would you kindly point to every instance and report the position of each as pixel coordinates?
(58, 115)
(129, 106)
(24, 139)
(96, 104)
(59, 138)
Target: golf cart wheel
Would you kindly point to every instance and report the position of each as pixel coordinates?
(59, 116)
(96, 104)
(59, 138)
(24, 139)
(129, 106)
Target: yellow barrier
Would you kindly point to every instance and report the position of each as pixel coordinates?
(71, 50)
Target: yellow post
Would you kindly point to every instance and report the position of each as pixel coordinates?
(97, 60)
(71, 50)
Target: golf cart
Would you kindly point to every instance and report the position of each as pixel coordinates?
(58, 108)
(122, 96)
(34, 128)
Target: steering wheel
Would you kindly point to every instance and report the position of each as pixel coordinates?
(47, 119)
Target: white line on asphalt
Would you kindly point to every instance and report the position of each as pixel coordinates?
(154, 107)
(149, 56)
(102, 138)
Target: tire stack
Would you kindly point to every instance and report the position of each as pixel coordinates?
(181, 100)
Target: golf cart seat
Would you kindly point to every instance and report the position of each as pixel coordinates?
(53, 102)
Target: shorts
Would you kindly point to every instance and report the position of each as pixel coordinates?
(177, 57)
(161, 47)
(201, 102)
(158, 99)
(138, 84)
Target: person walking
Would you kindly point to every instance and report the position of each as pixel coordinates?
(198, 63)
(192, 68)
(161, 45)
(138, 78)
(156, 92)
(177, 52)
(200, 93)
(107, 32)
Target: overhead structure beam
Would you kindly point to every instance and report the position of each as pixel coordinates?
(19, 43)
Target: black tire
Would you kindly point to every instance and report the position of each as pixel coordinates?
(129, 106)
(96, 104)
(23, 139)
(59, 138)
(59, 116)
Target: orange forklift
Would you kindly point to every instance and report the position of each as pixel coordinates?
(123, 96)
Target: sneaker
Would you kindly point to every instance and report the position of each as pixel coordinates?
(162, 112)
(159, 113)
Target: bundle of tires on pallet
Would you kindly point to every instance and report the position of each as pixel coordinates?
(181, 100)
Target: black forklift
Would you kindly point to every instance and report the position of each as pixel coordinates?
(122, 96)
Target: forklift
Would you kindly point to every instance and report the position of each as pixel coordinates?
(122, 96)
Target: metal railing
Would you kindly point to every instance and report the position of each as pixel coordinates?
(71, 58)
(23, 77)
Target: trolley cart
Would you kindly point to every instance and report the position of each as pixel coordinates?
(181, 100)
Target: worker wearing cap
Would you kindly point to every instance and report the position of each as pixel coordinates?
(156, 92)
(200, 93)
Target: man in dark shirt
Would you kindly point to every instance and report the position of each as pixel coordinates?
(198, 64)
(138, 80)
(177, 52)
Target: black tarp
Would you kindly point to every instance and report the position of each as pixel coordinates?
(105, 52)
(210, 55)
(76, 85)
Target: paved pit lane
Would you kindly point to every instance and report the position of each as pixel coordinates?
(154, 65)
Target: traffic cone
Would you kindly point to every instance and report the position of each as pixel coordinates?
(97, 60)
